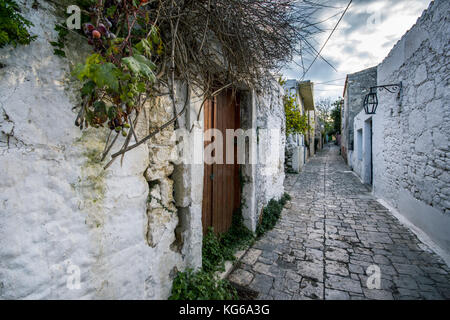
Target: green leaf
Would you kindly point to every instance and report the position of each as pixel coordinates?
(59, 52)
(145, 61)
(144, 47)
(112, 112)
(57, 44)
(99, 107)
(141, 87)
(132, 65)
(88, 88)
(140, 66)
(110, 11)
(94, 58)
(154, 34)
(106, 75)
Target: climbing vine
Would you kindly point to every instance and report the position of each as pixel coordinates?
(119, 76)
(13, 26)
(141, 47)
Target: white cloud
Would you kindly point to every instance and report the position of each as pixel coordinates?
(364, 37)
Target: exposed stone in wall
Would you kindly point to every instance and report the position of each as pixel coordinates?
(161, 211)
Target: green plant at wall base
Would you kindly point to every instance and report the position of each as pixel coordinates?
(295, 122)
(220, 248)
(13, 26)
(213, 253)
(271, 214)
(216, 250)
(201, 285)
(238, 237)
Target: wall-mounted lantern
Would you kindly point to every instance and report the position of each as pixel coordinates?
(371, 99)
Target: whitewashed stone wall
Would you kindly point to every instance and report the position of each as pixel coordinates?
(411, 137)
(61, 213)
(294, 153)
(263, 110)
(270, 172)
(126, 231)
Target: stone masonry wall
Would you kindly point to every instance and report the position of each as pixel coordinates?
(412, 151)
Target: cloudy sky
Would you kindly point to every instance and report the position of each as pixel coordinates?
(366, 34)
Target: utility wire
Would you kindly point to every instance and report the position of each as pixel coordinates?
(312, 47)
(334, 29)
(330, 81)
(325, 20)
(332, 85)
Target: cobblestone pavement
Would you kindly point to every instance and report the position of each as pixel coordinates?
(332, 232)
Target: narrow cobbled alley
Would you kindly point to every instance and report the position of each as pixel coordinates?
(332, 237)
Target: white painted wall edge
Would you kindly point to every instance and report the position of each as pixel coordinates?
(422, 236)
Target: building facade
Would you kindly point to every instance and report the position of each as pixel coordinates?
(356, 87)
(404, 148)
(300, 147)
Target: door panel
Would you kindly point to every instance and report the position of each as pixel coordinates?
(221, 191)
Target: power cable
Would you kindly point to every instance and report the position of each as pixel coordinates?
(334, 29)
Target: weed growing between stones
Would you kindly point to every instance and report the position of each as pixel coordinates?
(271, 214)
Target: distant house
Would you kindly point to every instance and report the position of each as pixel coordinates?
(299, 147)
(319, 133)
(356, 87)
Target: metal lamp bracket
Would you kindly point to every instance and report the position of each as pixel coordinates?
(392, 88)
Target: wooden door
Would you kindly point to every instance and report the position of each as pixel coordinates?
(221, 189)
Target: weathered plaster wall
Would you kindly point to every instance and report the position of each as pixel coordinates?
(270, 171)
(411, 136)
(360, 156)
(60, 211)
(263, 111)
(294, 153)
